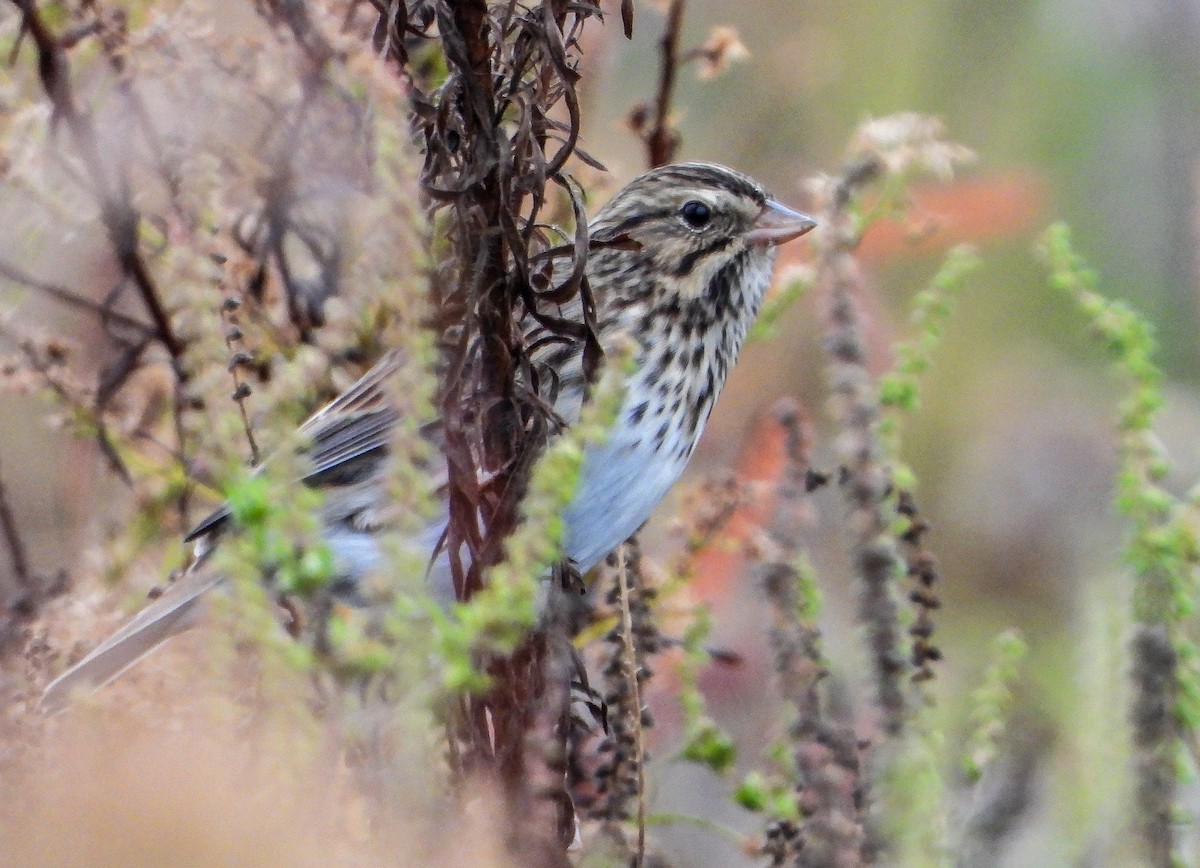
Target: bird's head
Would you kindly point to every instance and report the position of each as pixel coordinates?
(693, 228)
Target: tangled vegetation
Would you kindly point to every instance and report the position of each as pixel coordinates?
(258, 201)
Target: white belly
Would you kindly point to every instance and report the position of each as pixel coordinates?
(623, 481)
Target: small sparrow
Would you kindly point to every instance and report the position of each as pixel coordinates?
(681, 259)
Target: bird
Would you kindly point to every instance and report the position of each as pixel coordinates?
(679, 263)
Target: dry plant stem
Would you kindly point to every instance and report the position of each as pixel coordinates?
(825, 754)
(109, 185)
(662, 142)
(516, 63)
(629, 644)
(717, 501)
(1002, 798)
(112, 30)
(105, 312)
(922, 568)
(546, 740)
(631, 675)
(238, 358)
(483, 289)
(855, 405)
(544, 802)
(1155, 667)
(44, 369)
(526, 751)
(12, 539)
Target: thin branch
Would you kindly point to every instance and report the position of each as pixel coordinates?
(632, 675)
(826, 768)
(60, 293)
(662, 142)
(12, 538)
(238, 359)
(44, 369)
(921, 566)
(120, 218)
(113, 33)
(856, 408)
(1004, 795)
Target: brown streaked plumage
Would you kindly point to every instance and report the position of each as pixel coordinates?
(680, 262)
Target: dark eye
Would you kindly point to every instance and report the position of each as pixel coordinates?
(695, 214)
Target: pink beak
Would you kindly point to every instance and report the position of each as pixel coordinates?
(776, 224)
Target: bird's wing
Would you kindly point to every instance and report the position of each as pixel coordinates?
(347, 439)
(177, 609)
(365, 394)
(344, 441)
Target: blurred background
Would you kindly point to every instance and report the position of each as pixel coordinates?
(1081, 110)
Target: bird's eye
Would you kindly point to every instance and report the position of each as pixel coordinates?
(695, 214)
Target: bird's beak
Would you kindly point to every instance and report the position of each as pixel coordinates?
(776, 224)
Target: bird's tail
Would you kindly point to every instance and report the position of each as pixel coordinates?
(179, 607)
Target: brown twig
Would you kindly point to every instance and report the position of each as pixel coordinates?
(12, 539)
(825, 754)
(626, 673)
(32, 589)
(113, 32)
(1155, 722)
(553, 734)
(72, 299)
(109, 185)
(517, 63)
(45, 367)
(855, 404)
(662, 141)
(238, 359)
(123, 220)
(921, 567)
(633, 676)
(1004, 796)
